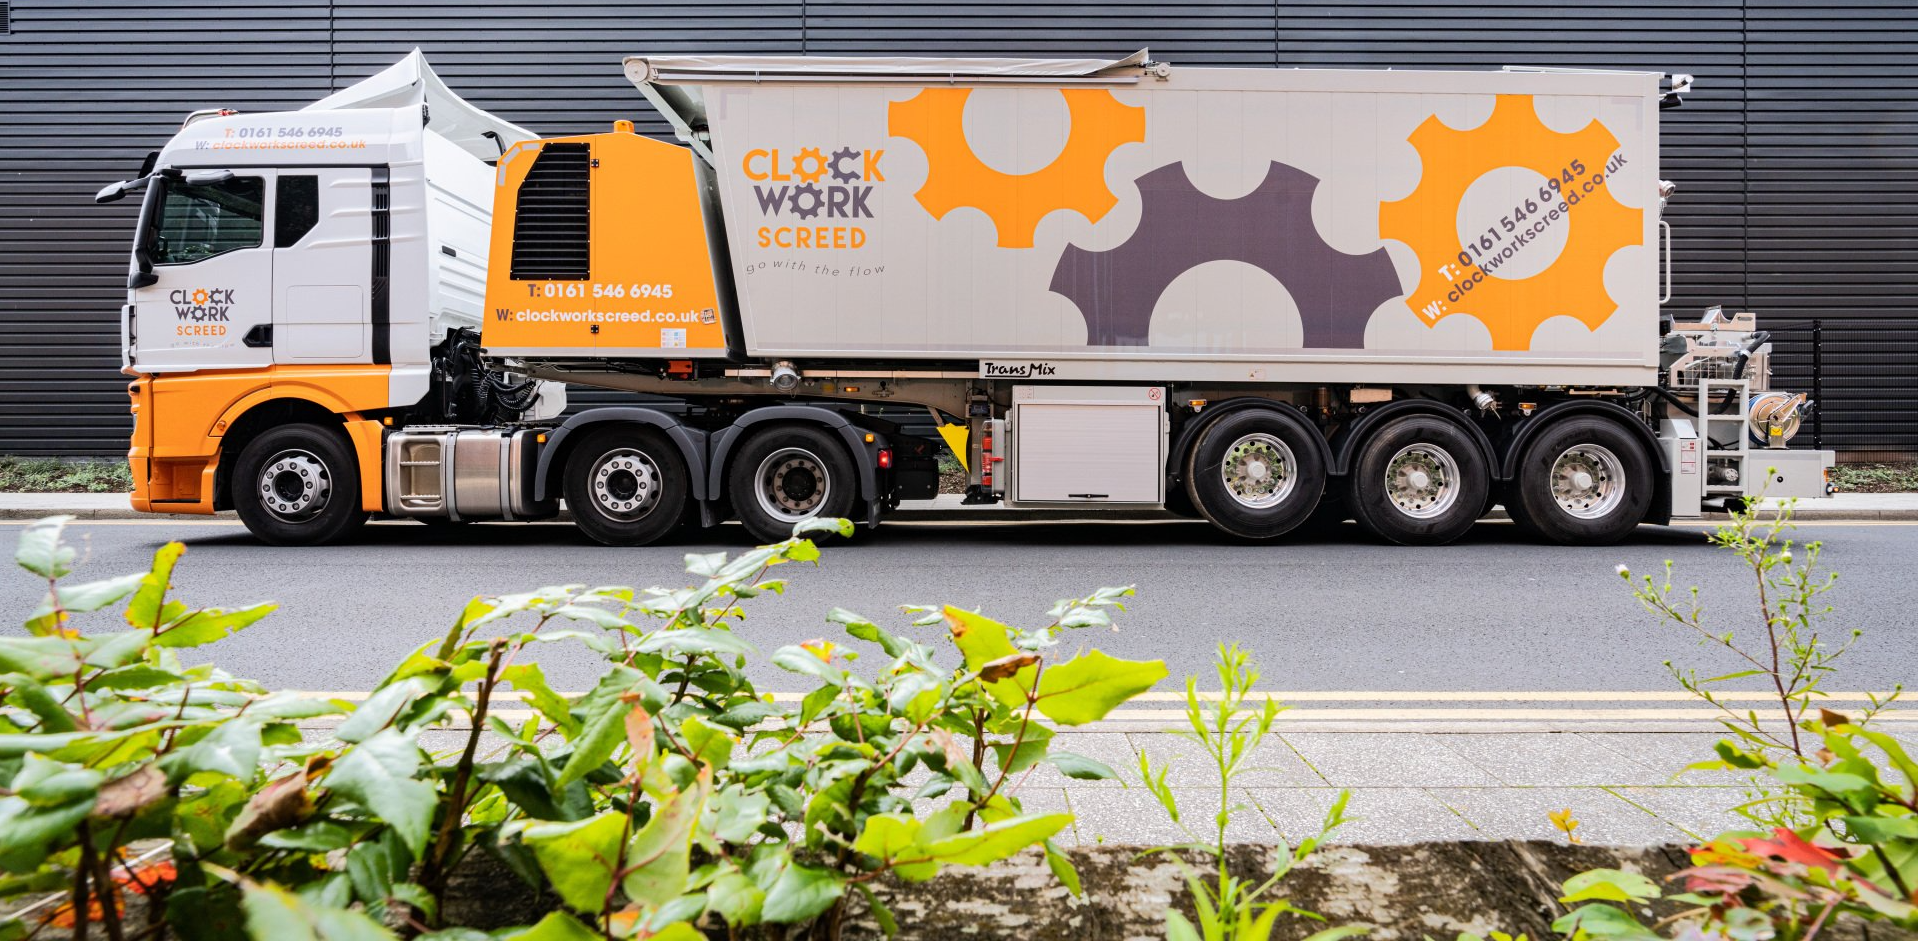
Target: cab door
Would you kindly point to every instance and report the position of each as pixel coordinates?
(323, 250)
(209, 272)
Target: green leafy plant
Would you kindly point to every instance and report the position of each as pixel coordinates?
(1229, 729)
(1837, 825)
(672, 794)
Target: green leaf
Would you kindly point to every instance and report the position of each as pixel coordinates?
(92, 596)
(1882, 829)
(380, 709)
(528, 678)
(996, 841)
(865, 630)
(45, 783)
(27, 831)
(276, 914)
(209, 625)
(1063, 869)
(710, 743)
(823, 524)
(1179, 928)
(290, 706)
(801, 893)
(735, 898)
(40, 550)
(579, 858)
(1601, 922)
(1609, 885)
(1080, 767)
(658, 858)
(692, 641)
(232, 749)
(41, 702)
(605, 728)
(816, 702)
(1088, 686)
(150, 600)
(888, 925)
(895, 836)
(734, 814)
(556, 926)
(42, 658)
(800, 660)
(379, 774)
(1339, 933)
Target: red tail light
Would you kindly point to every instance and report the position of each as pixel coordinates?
(885, 458)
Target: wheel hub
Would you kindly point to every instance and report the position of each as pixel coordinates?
(1422, 480)
(1257, 471)
(626, 484)
(793, 484)
(294, 485)
(1588, 481)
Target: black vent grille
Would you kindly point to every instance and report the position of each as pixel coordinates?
(6, 17)
(552, 221)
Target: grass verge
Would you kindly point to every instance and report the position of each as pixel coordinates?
(53, 475)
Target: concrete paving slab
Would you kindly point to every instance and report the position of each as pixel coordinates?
(1386, 759)
(1049, 800)
(1522, 813)
(1380, 815)
(1133, 815)
(1272, 764)
(1551, 760)
(1695, 813)
(1671, 752)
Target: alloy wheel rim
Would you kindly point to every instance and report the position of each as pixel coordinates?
(626, 484)
(1257, 471)
(1422, 480)
(294, 485)
(793, 484)
(1588, 481)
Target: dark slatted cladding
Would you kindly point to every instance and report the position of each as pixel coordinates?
(1796, 159)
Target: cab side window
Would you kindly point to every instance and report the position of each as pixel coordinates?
(298, 199)
(195, 221)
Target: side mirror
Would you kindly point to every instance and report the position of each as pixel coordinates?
(112, 192)
(204, 177)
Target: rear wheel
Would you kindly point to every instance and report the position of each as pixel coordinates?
(627, 485)
(786, 475)
(1420, 481)
(298, 485)
(1255, 473)
(1583, 481)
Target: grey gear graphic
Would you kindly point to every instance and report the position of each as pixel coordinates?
(843, 176)
(807, 189)
(1270, 228)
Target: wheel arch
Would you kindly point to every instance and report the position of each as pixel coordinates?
(1353, 436)
(1189, 434)
(266, 409)
(851, 435)
(1522, 436)
(560, 442)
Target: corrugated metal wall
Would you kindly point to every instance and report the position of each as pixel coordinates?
(1796, 159)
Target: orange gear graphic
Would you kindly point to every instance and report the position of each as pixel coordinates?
(1427, 221)
(818, 165)
(956, 177)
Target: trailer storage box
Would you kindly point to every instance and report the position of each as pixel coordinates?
(1115, 219)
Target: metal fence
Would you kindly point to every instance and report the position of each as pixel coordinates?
(1862, 376)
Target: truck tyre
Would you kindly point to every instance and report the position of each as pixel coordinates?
(788, 474)
(1256, 474)
(627, 485)
(298, 485)
(1420, 481)
(1584, 481)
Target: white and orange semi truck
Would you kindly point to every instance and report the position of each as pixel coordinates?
(1254, 296)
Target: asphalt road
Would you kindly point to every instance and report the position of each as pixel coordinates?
(1490, 613)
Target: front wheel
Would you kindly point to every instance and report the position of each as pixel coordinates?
(298, 485)
(1255, 473)
(1583, 481)
(627, 486)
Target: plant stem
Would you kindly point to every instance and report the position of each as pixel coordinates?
(83, 873)
(434, 874)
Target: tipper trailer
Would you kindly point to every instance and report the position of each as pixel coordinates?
(1256, 296)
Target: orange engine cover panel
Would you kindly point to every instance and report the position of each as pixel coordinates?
(646, 285)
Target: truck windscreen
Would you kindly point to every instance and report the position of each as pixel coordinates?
(194, 221)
